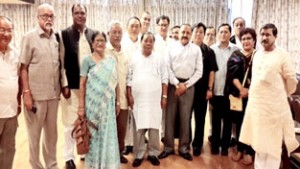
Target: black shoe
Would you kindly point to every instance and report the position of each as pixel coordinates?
(128, 149)
(196, 151)
(82, 158)
(154, 160)
(186, 156)
(209, 139)
(123, 159)
(137, 162)
(233, 142)
(165, 154)
(70, 165)
(215, 151)
(224, 152)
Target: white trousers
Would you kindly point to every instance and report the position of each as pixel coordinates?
(266, 161)
(69, 109)
(129, 129)
(69, 143)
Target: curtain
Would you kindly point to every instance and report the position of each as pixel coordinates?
(101, 12)
(209, 12)
(285, 14)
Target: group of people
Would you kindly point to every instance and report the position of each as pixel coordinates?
(138, 87)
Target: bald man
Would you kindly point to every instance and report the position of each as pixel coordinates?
(40, 69)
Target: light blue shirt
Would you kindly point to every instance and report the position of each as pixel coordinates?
(222, 56)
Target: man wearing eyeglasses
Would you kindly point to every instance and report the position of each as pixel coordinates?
(161, 48)
(40, 74)
(76, 44)
(10, 98)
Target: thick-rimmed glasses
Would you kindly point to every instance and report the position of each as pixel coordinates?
(163, 25)
(246, 39)
(46, 17)
(7, 31)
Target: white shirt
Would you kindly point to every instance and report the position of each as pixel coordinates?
(128, 46)
(185, 62)
(83, 48)
(222, 56)
(161, 45)
(9, 66)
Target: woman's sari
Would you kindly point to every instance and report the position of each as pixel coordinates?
(100, 109)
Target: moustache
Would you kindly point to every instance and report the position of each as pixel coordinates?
(184, 38)
(264, 41)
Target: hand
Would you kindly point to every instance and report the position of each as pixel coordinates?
(181, 89)
(81, 113)
(244, 93)
(130, 101)
(27, 99)
(118, 109)
(66, 92)
(163, 103)
(19, 110)
(209, 94)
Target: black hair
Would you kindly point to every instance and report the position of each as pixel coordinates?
(147, 33)
(225, 24)
(162, 17)
(199, 25)
(78, 5)
(270, 26)
(98, 33)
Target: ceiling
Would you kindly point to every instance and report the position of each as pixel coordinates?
(13, 2)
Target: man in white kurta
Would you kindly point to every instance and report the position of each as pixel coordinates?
(268, 120)
(147, 92)
(130, 44)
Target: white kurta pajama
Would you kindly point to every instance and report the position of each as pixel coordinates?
(268, 120)
(146, 76)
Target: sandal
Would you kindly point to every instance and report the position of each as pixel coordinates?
(237, 157)
(247, 160)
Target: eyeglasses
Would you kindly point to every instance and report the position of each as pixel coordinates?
(247, 39)
(46, 17)
(163, 25)
(7, 31)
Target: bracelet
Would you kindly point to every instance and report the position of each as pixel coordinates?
(26, 91)
(164, 96)
(209, 88)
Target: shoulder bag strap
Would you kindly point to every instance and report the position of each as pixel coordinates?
(247, 71)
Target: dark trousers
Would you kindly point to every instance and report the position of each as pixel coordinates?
(220, 113)
(199, 106)
(121, 127)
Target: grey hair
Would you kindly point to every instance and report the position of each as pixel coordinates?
(114, 23)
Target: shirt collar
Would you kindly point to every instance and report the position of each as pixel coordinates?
(230, 45)
(42, 32)
(75, 29)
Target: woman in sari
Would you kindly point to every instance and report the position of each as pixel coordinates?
(237, 65)
(98, 102)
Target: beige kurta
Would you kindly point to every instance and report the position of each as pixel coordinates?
(268, 119)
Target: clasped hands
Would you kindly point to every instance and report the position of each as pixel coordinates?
(180, 89)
